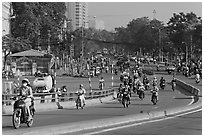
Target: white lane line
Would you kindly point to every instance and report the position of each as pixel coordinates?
(145, 122)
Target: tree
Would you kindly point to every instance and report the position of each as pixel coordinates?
(12, 45)
(185, 28)
(34, 20)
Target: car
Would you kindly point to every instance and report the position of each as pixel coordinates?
(170, 69)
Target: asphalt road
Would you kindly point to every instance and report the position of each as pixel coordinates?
(189, 124)
(167, 99)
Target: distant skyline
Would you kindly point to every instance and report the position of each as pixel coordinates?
(116, 14)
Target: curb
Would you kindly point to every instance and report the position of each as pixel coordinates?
(188, 87)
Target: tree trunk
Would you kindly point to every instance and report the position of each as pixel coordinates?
(5, 59)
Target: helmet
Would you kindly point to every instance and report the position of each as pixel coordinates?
(155, 77)
(81, 85)
(26, 80)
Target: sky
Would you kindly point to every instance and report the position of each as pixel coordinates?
(116, 14)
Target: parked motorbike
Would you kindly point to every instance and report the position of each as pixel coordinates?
(125, 100)
(20, 114)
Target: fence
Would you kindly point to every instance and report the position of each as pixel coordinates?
(55, 97)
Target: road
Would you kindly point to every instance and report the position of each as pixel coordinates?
(167, 99)
(189, 124)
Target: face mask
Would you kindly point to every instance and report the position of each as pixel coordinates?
(24, 84)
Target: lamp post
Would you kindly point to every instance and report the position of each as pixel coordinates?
(49, 35)
(160, 45)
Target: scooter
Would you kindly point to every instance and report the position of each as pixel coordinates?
(79, 101)
(147, 86)
(141, 93)
(173, 86)
(125, 100)
(154, 97)
(162, 85)
(119, 96)
(197, 79)
(20, 114)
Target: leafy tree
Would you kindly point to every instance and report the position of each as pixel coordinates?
(181, 27)
(33, 20)
(13, 45)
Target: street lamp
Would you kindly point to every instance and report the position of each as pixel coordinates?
(49, 35)
(160, 45)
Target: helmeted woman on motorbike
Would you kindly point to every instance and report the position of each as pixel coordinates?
(155, 90)
(26, 92)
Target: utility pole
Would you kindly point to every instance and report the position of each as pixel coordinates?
(82, 42)
(48, 48)
(191, 42)
(160, 48)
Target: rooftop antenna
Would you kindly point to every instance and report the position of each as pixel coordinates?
(154, 16)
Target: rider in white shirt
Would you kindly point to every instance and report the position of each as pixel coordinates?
(82, 93)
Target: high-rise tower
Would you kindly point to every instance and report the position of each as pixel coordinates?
(77, 12)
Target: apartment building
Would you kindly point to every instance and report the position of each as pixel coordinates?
(77, 13)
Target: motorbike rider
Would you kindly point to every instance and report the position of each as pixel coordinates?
(127, 89)
(145, 79)
(155, 90)
(162, 80)
(82, 93)
(154, 82)
(197, 77)
(102, 81)
(141, 86)
(173, 82)
(120, 90)
(135, 83)
(130, 83)
(26, 91)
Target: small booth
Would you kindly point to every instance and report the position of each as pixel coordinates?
(30, 61)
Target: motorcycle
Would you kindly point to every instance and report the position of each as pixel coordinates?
(162, 85)
(173, 86)
(79, 101)
(197, 79)
(146, 84)
(125, 100)
(119, 96)
(141, 93)
(20, 115)
(154, 97)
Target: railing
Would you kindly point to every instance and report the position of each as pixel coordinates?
(55, 97)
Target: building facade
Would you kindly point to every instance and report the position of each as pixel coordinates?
(77, 12)
(6, 10)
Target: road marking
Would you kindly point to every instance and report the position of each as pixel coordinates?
(145, 122)
(192, 100)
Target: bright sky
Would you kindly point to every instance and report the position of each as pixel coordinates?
(115, 14)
